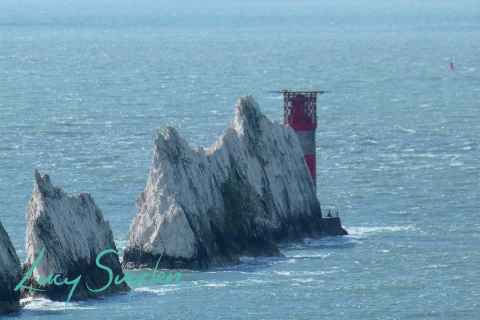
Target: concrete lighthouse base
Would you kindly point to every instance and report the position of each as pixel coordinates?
(333, 227)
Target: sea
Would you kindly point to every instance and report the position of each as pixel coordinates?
(84, 85)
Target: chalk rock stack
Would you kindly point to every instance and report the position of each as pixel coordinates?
(10, 273)
(208, 207)
(72, 231)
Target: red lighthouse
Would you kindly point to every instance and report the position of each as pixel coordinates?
(300, 113)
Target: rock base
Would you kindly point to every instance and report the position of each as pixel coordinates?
(91, 277)
(333, 227)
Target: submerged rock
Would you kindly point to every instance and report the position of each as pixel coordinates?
(71, 232)
(10, 272)
(241, 196)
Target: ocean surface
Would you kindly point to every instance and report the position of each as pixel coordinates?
(84, 85)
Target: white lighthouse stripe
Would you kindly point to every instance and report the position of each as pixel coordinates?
(307, 141)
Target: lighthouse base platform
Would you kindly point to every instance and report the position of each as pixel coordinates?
(333, 227)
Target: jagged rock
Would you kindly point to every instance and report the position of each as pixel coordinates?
(10, 272)
(72, 231)
(241, 196)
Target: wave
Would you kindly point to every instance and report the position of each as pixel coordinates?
(369, 142)
(363, 231)
(303, 280)
(46, 305)
(344, 242)
(405, 130)
(210, 284)
(157, 291)
(253, 282)
(309, 255)
(247, 262)
(303, 273)
(216, 285)
(456, 164)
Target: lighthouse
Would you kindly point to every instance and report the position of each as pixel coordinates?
(300, 113)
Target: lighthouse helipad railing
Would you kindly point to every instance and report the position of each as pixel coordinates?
(329, 211)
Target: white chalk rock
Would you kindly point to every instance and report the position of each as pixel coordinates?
(72, 231)
(10, 272)
(241, 196)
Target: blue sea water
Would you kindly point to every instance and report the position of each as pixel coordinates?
(84, 86)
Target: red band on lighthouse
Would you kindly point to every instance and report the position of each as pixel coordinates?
(300, 113)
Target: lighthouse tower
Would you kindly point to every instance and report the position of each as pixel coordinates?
(300, 113)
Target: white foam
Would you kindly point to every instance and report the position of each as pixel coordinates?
(246, 260)
(310, 255)
(303, 280)
(316, 273)
(303, 273)
(362, 231)
(209, 284)
(158, 291)
(44, 304)
(216, 285)
(370, 142)
(406, 130)
(253, 281)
